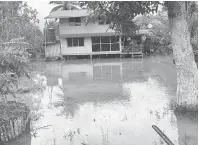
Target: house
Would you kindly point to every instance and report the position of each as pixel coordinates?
(77, 38)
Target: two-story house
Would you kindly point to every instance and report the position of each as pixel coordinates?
(77, 38)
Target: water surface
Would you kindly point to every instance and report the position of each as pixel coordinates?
(107, 101)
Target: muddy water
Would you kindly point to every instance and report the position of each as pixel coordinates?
(107, 102)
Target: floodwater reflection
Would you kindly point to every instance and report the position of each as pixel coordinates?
(110, 101)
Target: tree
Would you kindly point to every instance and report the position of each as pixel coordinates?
(13, 65)
(64, 5)
(187, 75)
(159, 27)
(121, 14)
(53, 24)
(19, 20)
(193, 24)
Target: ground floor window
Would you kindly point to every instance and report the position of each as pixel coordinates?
(77, 41)
(105, 43)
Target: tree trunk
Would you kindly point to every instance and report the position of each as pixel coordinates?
(187, 73)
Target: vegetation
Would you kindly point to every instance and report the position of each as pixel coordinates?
(53, 24)
(159, 27)
(13, 64)
(64, 5)
(161, 30)
(14, 110)
(121, 15)
(17, 20)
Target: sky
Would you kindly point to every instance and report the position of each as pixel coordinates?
(43, 9)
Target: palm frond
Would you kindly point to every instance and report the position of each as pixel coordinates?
(59, 7)
(70, 6)
(56, 2)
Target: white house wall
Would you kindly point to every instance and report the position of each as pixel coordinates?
(92, 29)
(87, 48)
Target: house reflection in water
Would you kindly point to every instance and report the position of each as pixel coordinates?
(92, 81)
(85, 81)
(53, 72)
(92, 71)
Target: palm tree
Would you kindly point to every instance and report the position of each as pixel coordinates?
(65, 5)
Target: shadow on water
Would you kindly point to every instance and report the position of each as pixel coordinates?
(110, 101)
(187, 123)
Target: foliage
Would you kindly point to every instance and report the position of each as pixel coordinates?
(64, 5)
(120, 13)
(161, 30)
(128, 16)
(17, 19)
(53, 24)
(159, 27)
(12, 110)
(13, 64)
(192, 20)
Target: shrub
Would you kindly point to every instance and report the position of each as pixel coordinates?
(14, 61)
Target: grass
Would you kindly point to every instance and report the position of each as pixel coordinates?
(183, 108)
(186, 108)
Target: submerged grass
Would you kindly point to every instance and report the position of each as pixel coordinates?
(183, 108)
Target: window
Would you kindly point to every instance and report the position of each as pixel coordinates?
(81, 41)
(76, 21)
(105, 43)
(105, 47)
(96, 44)
(70, 42)
(105, 39)
(73, 42)
(115, 43)
(95, 39)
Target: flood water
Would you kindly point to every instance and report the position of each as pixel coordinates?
(107, 102)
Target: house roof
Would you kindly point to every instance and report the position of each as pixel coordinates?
(67, 14)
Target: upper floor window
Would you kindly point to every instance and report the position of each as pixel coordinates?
(72, 42)
(76, 21)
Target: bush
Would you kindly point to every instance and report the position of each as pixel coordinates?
(14, 63)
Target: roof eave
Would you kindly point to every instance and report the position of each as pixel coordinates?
(52, 17)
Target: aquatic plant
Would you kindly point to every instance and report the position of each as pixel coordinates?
(186, 139)
(104, 137)
(178, 108)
